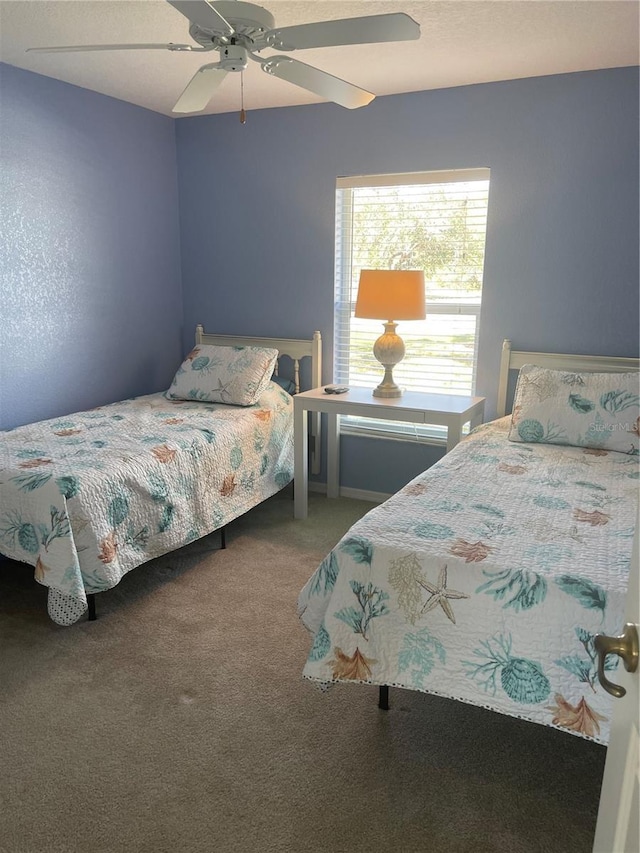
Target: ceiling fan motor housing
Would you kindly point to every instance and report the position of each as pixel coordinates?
(249, 21)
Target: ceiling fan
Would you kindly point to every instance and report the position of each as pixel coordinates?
(239, 31)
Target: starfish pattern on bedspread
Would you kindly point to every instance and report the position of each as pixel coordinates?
(439, 593)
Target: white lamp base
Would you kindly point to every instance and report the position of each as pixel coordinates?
(389, 350)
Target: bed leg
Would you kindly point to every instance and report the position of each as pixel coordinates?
(223, 537)
(383, 697)
(91, 601)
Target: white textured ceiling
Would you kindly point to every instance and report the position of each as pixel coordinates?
(462, 42)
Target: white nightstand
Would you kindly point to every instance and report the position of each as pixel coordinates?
(443, 409)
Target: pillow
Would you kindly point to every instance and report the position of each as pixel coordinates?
(600, 410)
(219, 374)
(286, 384)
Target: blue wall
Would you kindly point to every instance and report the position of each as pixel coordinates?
(561, 269)
(91, 295)
(90, 298)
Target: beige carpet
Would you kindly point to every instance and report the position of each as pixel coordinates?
(179, 721)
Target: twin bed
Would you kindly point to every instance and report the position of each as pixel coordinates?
(488, 576)
(88, 497)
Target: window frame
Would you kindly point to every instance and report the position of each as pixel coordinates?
(343, 309)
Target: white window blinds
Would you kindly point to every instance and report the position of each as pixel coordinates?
(434, 221)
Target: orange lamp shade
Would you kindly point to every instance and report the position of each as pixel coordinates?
(391, 295)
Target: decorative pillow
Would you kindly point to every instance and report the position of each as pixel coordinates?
(213, 374)
(600, 410)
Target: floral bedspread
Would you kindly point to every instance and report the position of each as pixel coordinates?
(485, 580)
(88, 497)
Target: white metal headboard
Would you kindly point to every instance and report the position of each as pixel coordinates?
(296, 349)
(515, 359)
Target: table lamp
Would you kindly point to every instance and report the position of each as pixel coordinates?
(383, 294)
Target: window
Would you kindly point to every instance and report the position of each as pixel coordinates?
(434, 221)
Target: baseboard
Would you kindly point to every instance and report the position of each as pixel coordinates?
(363, 495)
(354, 494)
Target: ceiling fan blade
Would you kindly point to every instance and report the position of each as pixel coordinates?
(329, 87)
(366, 30)
(80, 47)
(204, 14)
(199, 89)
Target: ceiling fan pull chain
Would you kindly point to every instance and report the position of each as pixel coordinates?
(243, 115)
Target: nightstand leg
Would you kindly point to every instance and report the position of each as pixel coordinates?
(333, 456)
(300, 463)
(454, 436)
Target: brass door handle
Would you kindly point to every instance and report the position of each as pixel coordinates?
(626, 646)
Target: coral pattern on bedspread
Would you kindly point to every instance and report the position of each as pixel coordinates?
(88, 497)
(485, 579)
